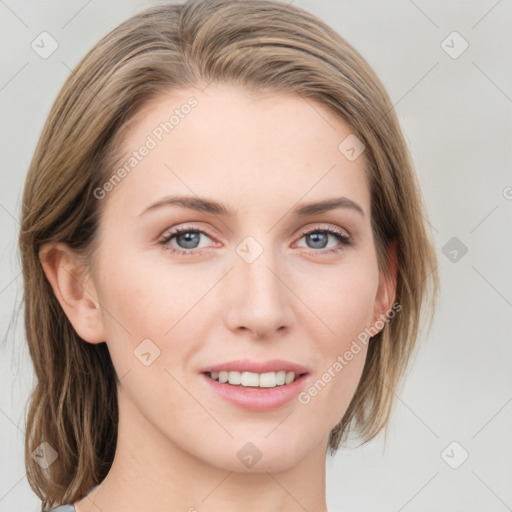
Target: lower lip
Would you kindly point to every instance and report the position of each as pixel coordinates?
(257, 399)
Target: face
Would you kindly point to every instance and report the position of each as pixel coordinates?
(251, 284)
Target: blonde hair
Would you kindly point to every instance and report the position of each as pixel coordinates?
(263, 45)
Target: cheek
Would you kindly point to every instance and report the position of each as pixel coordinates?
(340, 301)
(344, 304)
(329, 395)
(337, 375)
(156, 302)
(146, 297)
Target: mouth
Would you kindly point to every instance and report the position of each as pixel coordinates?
(256, 385)
(246, 379)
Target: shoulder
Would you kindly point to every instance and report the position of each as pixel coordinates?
(68, 507)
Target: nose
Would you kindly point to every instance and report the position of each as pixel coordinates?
(257, 297)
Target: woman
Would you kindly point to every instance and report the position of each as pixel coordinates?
(225, 257)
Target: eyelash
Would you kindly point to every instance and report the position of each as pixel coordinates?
(344, 240)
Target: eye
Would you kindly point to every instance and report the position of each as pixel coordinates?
(319, 237)
(186, 238)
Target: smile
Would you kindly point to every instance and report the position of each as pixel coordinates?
(265, 396)
(257, 380)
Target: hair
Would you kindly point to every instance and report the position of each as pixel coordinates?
(263, 46)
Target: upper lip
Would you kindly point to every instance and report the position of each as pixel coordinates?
(245, 365)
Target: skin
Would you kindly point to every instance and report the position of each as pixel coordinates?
(261, 156)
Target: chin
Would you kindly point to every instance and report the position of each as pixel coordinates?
(261, 452)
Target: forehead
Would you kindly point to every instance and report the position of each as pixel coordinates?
(241, 147)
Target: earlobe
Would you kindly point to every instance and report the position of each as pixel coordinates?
(74, 290)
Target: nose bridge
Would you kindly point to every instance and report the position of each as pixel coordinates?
(254, 269)
(257, 296)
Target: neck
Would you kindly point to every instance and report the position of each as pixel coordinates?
(150, 471)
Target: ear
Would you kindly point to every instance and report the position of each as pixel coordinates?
(386, 291)
(74, 290)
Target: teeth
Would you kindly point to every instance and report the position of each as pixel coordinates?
(281, 378)
(250, 379)
(234, 378)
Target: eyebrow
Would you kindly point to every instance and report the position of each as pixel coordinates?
(210, 206)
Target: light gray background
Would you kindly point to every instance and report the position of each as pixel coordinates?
(456, 116)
